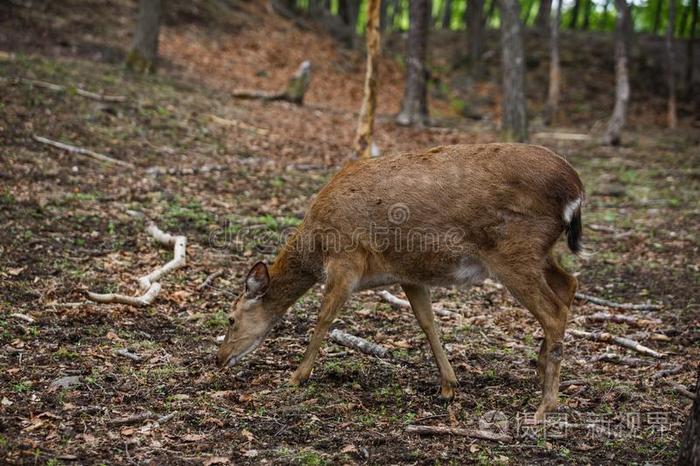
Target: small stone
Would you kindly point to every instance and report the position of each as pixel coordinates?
(65, 382)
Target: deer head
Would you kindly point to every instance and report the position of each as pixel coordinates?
(250, 319)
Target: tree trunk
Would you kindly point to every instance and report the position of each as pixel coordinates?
(622, 85)
(414, 106)
(528, 11)
(587, 15)
(475, 31)
(690, 58)
(514, 115)
(554, 68)
(670, 65)
(446, 14)
(543, 15)
(690, 445)
(490, 12)
(143, 55)
(363, 140)
(383, 15)
(353, 11)
(574, 14)
(657, 16)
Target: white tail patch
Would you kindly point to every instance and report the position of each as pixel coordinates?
(570, 208)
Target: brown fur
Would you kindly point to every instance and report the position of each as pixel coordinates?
(491, 209)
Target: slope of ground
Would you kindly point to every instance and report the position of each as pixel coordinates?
(66, 228)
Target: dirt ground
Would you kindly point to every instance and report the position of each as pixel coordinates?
(234, 187)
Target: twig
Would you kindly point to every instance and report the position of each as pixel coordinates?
(621, 319)
(680, 389)
(619, 359)
(24, 317)
(445, 430)
(394, 301)
(357, 343)
(607, 303)
(166, 418)
(620, 341)
(208, 281)
(135, 419)
(128, 354)
(78, 91)
(81, 151)
(239, 124)
(562, 136)
(667, 372)
(148, 282)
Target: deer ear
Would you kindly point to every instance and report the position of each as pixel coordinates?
(257, 281)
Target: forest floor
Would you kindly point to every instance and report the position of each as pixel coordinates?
(234, 176)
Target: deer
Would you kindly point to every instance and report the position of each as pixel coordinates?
(447, 216)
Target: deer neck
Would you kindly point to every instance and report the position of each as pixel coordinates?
(289, 278)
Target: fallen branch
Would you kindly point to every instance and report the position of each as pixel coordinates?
(621, 319)
(607, 303)
(562, 136)
(128, 354)
(148, 282)
(208, 281)
(680, 389)
(24, 317)
(78, 91)
(605, 337)
(398, 303)
(166, 418)
(179, 171)
(81, 151)
(619, 359)
(445, 430)
(239, 124)
(357, 343)
(667, 372)
(394, 301)
(135, 419)
(297, 86)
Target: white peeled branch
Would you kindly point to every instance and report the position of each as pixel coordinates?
(148, 283)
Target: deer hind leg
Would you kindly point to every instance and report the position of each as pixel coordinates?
(341, 280)
(532, 290)
(564, 285)
(419, 297)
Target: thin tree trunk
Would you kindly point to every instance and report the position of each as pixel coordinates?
(657, 16)
(475, 31)
(554, 68)
(605, 13)
(528, 11)
(414, 106)
(353, 8)
(543, 15)
(490, 12)
(690, 58)
(363, 140)
(143, 56)
(670, 66)
(514, 115)
(574, 14)
(690, 444)
(446, 14)
(587, 15)
(684, 19)
(622, 85)
(383, 15)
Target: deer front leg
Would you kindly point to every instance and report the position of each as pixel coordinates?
(419, 297)
(338, 289)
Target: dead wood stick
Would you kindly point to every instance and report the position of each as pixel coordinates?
(393, 300)
(24, 317)
(605, 337)
(135, 419)
(239, 124)
(619, 359)
(668, 371)
(166, 418)
(680, 389)
(208, 281)
(128, 354)
(607, 303)
(296, 88)
(445, 430)
(78, 91)
(82, 151)
(398, 303)
(621, 319)
(148, 282)
(562, 136)
(358, 343)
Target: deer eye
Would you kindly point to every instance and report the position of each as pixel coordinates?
(231, 321)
